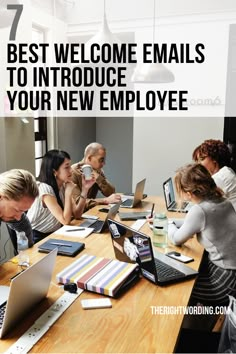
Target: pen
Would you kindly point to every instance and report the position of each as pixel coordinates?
(60, 244)
(153, 205)
(81, 228)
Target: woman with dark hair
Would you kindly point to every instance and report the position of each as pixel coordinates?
(213, 219)
(215, 156)
(55, 206)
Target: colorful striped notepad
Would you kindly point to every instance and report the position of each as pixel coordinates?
(101, 275)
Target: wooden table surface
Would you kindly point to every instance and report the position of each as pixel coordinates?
(129, 326)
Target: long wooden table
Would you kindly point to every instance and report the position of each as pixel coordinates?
(129, 326)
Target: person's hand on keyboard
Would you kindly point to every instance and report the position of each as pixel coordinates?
(112, 199)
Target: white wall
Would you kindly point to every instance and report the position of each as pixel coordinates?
(2, 146)
(116, 134)
(16, 144)
(74, 134)
(88, 11)
(161, 145)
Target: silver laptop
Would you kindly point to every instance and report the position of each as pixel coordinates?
(138, 196)
(101, 225)
(171, 204)
(25, 291)
(135, 247)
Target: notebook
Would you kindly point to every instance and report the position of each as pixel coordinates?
(135, 247)
(171, 204)
(138, 196)
(101, 275)
(65, 248)
(25, 291)
(100, 225)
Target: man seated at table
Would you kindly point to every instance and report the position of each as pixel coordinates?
(18, 190)
(95, 156)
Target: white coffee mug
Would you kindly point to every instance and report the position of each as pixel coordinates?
(87, 171)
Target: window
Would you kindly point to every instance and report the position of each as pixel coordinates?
(40, 132)
(40, 119)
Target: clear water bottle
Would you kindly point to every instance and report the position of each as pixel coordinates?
(22, 246)
(160, 230)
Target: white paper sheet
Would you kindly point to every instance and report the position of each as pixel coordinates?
(71, 230)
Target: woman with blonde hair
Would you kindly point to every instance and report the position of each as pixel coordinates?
(213, 219)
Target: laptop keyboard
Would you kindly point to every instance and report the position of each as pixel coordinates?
(97, 225)
(127, 202)
(166, 272)
(87, 223)
(2, 313)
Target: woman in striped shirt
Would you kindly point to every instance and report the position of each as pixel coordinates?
(55, 206)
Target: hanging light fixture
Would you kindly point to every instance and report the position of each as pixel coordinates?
(104, 35)
(152, 72)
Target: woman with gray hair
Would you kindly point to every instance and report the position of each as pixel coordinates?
(18, 190)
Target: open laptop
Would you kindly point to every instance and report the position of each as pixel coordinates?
(138, 196)
(101, 225)
(135, 247)
(171, 204)
(25, 291)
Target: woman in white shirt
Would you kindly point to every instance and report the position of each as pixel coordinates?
(216, 157)
(55, 206)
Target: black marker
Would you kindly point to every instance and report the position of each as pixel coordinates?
(151, 215)
(80, 229)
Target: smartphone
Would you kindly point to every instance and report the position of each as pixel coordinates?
(179, 257)
(104, 210)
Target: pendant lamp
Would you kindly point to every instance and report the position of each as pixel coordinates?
(104, 35)
(152, 72)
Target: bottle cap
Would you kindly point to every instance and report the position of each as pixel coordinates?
(160, 215)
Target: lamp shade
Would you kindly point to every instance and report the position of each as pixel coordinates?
(104, 35)
(152, 73)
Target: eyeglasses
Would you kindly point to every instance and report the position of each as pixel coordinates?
(100, 159)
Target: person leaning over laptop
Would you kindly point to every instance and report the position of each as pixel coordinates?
(216, 157)
(55, 206)
(95, 156)
(18, 190)
(213, 219)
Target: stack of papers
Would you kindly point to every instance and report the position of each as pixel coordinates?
(76, 231)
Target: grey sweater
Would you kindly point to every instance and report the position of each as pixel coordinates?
(214, 222)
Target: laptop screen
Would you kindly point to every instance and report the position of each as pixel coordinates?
(169, 192)
(133, 247)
